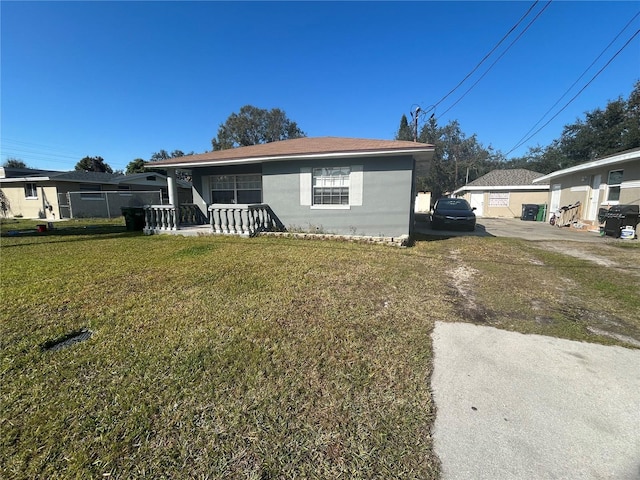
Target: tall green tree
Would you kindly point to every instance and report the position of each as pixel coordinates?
(457, 158)
(405, 132)
(601, 132)
(253, 126)
(135, 166)
(93, 164)
(14, 163)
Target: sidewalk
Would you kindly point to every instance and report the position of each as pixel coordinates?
(514, 406)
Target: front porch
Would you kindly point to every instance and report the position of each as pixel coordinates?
(244, 220)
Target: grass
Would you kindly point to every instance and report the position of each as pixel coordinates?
(217, 357)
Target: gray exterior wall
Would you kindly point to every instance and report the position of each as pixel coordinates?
(387, 202)
(387, 195)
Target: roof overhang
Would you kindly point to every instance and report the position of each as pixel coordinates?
(493, 188)
(24, 179)
(604, 162)
(420, 154)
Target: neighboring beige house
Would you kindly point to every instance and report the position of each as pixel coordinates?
(599, 184)
(501, 193)
(53, 195)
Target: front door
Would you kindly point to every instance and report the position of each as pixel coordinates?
(594, 197)
(476, 199)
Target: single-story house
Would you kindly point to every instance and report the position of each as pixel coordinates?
(46, 194)
(598, 184)
(501, 193)
(330, 185)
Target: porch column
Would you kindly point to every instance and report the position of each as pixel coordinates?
(172, 187)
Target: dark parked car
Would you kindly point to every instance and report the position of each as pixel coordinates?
(452, 213)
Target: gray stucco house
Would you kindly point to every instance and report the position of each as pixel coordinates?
(330, 185)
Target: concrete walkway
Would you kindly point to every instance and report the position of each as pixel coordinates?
(514, 406)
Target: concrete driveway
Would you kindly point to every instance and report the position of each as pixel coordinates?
(516, 228)
(514, 406)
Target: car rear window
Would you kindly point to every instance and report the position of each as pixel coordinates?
(453, 204)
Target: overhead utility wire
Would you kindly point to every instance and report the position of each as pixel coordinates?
(522, 140)
(485, 57)
(498, 59)
(578, 94)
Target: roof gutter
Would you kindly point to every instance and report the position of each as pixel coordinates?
(418, 152)
(485, 188)
(625, 157)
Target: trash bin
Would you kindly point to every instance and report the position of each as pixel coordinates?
(529, 212)
(133, 218)
(542, 213)
(620, 216)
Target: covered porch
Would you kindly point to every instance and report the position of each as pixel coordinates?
(220, 219)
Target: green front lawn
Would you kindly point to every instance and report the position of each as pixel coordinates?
(220, 357)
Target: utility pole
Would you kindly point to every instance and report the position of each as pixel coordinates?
(415, 124)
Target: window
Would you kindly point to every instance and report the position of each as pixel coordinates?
(91, 192)
(614, 181)
(331, 186)
(30, 190)
(236, 189)
(498, 199)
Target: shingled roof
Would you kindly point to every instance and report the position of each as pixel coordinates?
(502, 178)
(299, 148)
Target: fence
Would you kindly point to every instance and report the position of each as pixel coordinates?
(104, 204)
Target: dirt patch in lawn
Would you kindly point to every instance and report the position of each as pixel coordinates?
(608, 256)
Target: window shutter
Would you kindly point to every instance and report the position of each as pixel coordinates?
(356, 182)
(305, 186)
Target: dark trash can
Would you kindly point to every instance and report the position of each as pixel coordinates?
(529, 212)
(620, 216)
(133, 218)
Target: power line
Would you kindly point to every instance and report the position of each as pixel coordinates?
(499, 57)
(485, 57)
(577, 94)
(522, 140)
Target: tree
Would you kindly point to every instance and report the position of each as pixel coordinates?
(93, 164)
(600, 133)
(456, 158)
(14, 163)
(253, 126)
(405, 132)
(135, 166)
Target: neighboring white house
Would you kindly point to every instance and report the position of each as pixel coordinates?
(501, 193)
(599, 184)
(51, 195)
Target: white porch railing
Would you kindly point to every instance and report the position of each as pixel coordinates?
(160, 218)
(168, 217)
(240, 219)
(225, 219)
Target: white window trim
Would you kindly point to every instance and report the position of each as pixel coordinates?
(35, 189)
(619, 185)
(356, 182)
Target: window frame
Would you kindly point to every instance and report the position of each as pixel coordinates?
(344, 182)
(237, 186)
(30, 188)
(90, 191)
(614, 187)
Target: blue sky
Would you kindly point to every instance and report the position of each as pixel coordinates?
(125, 79)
